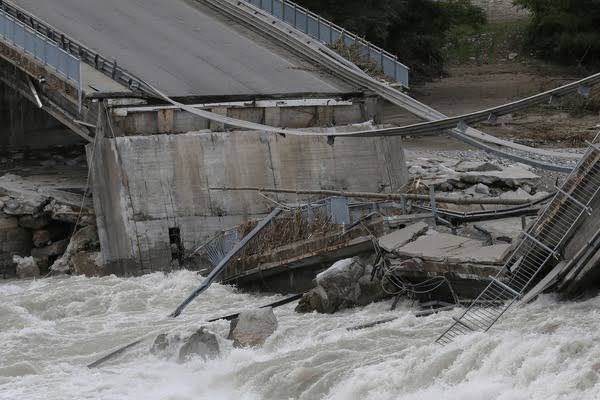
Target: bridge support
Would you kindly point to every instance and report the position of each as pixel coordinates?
(150, 184)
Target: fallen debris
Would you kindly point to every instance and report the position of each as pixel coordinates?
(445, 248)
(347, 283)
(401, 237)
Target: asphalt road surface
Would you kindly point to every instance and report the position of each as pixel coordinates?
(182, 48)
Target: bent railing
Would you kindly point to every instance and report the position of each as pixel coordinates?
(329, 33)
(40, 47)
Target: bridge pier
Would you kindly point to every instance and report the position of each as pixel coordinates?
(153, 175)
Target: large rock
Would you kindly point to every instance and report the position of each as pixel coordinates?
(346, 284)
(26, 267)
(34, 221)
(201, 343)
(88, 263)
(51, 233)
(252, 328)
(85, 239)
(53, 250)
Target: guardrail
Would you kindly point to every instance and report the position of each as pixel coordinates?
(40, 47)
(75, 49)
(329, 33)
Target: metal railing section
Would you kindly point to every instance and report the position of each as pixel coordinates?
(329, 33)
(537, 246)
(40, 47)
(73, 48)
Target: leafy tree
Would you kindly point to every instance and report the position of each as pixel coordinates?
(567, 31)
(415, 30)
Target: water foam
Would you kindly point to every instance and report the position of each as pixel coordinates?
(50, 329)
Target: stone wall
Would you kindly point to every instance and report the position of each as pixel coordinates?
(14, 240)
(146, 185)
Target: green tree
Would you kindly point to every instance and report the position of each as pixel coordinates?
(566, 31)
(415, 30)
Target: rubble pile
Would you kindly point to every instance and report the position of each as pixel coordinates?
(37, 223)
(475, 179)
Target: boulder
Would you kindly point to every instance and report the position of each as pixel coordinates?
(346, 284)
(88, 263)
(252, 328)
(51, 233)
(200, 343)
(85, 239)
(53, 250)
(34, 221)
(26, 267)
(482, 189)
(41, 238)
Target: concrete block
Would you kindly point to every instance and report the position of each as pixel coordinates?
(401, 237)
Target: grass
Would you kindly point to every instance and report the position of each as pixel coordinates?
(489, 43)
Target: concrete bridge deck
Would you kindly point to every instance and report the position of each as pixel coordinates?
(182, 47)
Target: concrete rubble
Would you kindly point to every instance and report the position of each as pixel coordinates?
(393, 241)
(38, 214)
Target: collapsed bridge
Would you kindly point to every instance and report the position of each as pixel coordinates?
(175, 99)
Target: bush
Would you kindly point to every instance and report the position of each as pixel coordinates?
(566, 31)
(415, 30)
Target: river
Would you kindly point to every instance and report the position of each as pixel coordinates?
(51, 328)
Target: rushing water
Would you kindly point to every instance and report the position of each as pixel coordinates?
(51, 328)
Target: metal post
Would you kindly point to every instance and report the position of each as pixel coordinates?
(433, 205)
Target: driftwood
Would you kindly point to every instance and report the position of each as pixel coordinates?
(381, 196)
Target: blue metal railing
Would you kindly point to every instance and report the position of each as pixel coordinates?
(329, 33)
(41, 48)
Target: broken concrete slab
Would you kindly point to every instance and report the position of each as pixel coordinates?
(442, 247)
(399, 238)
(505, 230)
(513, 176)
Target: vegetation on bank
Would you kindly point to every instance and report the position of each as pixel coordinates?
(564, 31)
(429, 35)
(416, 30)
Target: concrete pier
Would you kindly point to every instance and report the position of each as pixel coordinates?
(152, 192)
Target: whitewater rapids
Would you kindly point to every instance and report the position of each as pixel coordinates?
(50, 329)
